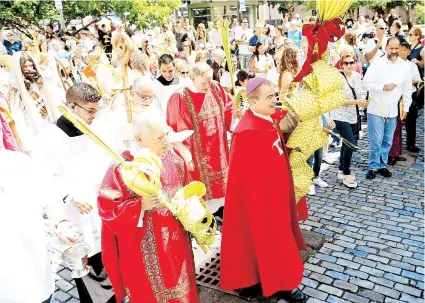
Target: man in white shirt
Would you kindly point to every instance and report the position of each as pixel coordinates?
(374, 48)
(387, 81)
(242, 35)
(85, 39)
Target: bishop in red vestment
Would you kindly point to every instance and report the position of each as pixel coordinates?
(205, 108)
(146, 252)
(261, 237)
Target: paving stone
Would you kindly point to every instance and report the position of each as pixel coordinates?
(387, 291)
(321, 278)
(401, 252)
(408, 298)
(388, 268)
(332, 266)
(413, 261)
(314, 300)
(345, 285)
(325, 257)
(356, 273)
(374, 296)
(372, 271)
(61, 296)
(337, 275)
(396, 278)
(342, 255)
(362, 283)
(378, 259)
(365, 262)
(406, 289)
(315, 268)
(382, 281)
(412, 275)
(332, 299)
(315, 293)
(354, 298)
(64, 285)
(308, 282)
(347, 263)
(402, 265)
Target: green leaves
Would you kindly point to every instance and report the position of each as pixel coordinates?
(22, 14)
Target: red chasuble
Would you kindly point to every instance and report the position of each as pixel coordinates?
(261, 237)
(209, 115)
(152, 263)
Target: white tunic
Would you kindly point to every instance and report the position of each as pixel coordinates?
(26, 272)
(79, 166)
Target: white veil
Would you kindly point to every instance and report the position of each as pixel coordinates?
(33, 118)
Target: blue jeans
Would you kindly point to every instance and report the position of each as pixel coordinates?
(348, 132)
(317, 158)
(381, 131)
(244, 61)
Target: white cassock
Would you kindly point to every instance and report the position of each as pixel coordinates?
(78, 165)
(164, 93)
(25, 268)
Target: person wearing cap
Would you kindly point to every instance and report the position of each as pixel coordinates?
(375, 48)
(294, 34)
(11, 44)
(261, 237)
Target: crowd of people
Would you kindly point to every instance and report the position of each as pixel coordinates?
(183, 107)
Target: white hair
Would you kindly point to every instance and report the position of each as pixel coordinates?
(219, 53)
(146, 122)
(201, 68)
(140, 83)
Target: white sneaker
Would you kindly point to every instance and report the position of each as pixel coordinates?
(328, 159)
(324, 166)
(361, 134)
(319, 182)
(340, 175)
(312, 191)
(334, 155)
(349, 181)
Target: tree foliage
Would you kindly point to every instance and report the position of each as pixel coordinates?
(22, 14)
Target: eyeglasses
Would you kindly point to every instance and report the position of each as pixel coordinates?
(89, 111)
(346, 63)
(383, 28)
(145, 98)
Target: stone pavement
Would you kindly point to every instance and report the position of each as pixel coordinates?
(374, 239)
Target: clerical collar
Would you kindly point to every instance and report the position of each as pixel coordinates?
(68, 128)
(165, 82)
(268, 118)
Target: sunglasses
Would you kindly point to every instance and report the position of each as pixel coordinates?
(383, 28)
(346, 63)
(185, 73)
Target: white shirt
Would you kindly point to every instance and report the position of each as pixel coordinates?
(24, 191)
(382, 72)
(370, 45)
(415, 73)
(245, 35)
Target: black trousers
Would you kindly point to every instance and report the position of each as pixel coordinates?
(410, 124)
(348, 132)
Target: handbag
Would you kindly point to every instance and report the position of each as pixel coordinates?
(359, 118)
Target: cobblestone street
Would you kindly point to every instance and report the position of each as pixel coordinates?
(374, 238)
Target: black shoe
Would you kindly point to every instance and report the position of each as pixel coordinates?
(385, 172)
(392, 161)
(371, 174)
(401, 159)
(251, 291)
(413, 149)
(294, 296)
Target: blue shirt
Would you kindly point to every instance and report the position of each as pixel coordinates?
(295, 36)
(254, 39)
(12, 48)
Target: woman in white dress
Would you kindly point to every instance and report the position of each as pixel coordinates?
(260, 62)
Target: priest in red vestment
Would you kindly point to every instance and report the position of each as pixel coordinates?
(261, 237)
(205, 108)
(146, 252)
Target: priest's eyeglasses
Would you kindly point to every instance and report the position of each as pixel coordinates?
(89, 111)
(145, 98)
